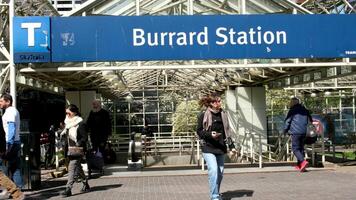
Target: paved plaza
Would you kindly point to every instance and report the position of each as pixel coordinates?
(267, 183)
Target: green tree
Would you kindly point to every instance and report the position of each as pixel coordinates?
(185, 117)
(277, 101)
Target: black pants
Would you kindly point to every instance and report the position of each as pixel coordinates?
(298, 147)
(98, 142)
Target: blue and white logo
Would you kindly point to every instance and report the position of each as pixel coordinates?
(32, 39)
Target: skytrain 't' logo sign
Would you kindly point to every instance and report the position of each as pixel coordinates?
(32, 39)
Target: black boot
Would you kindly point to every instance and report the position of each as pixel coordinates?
(86, 187)
(67, 192)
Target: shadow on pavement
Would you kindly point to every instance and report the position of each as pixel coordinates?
(55, 188)
(104, 187)
(237, 193)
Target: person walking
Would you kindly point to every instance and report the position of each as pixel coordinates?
(215, 134)
(11, 125)
(99, 124)
(296, 124)
(76, 133)
(6, 182)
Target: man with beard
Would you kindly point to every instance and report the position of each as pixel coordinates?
(99, 124)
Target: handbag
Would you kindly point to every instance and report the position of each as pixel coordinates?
(74, 151)
(311, 135)
(311, 130)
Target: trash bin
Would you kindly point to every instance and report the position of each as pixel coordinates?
(30, 160)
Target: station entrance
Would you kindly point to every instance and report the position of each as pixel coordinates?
(164, 91)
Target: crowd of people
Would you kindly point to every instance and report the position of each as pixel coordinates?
(213, 130)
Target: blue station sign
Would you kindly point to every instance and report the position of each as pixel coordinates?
(134, 38)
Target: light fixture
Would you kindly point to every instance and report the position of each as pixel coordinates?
(129, 98)
(327, 93)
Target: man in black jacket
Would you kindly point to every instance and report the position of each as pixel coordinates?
(296, 124)
(99, 125)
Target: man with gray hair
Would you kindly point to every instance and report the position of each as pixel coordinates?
(296, 124)
(99, 124)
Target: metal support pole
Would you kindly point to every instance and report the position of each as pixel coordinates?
(12, 64)
(353, 111)
(243, 7)
(322, 149)
(198, 152)
(313, 155)
(287, 151)
(138, 14)
(340, 112)
(190, 7)
(260, 151)
(251, 149)
(57, 159)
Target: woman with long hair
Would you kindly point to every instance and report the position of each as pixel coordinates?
(215, 134)
(76, 133)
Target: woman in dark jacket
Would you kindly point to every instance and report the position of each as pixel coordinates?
(77, 137)
(214, 131)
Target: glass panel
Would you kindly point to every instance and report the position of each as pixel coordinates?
(151, 119)
(317, 75)
(166, 128)
(150, 93)
(137, 93)
(346, 101)
(347, 119)
(122, 107)
(136, 107)
(122, 119)
(346, 69)
(151, 106)
(166, 107)
(330, 72)
(122, 130)
(154, 129)
(306, 77)
(165, 118)
(136, 129)
(136, 119)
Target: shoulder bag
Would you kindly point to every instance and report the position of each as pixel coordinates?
(311, 135)
(75, 151)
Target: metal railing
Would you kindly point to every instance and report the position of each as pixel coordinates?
(252, 148)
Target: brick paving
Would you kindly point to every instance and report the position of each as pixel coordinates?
(287, 185)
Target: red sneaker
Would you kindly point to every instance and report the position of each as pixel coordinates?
(303, 166)
(297, 167)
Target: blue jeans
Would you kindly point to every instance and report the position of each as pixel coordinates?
(12, 167)
(215, 165)
(298, 147)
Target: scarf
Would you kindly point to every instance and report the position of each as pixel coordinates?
(207, 121)
(72, 125)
